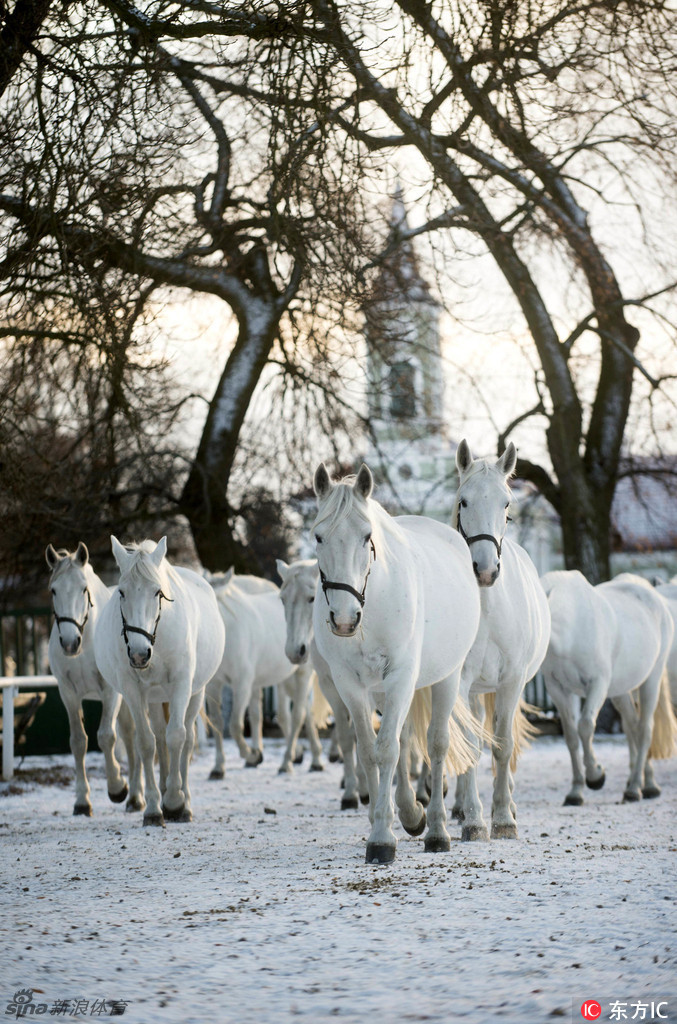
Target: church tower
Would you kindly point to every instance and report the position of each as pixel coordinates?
(409, 448)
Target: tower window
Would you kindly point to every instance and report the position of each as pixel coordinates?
(402, 388)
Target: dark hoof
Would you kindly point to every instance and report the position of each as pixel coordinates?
(631, 796)
(281, 770)
(119, 798)
(416, 830)
(135, 803)
(257, 762)
(457, 812)
(364, 798)
(349, 803)
(474, 834)
(596, 783)
(334, 758)
(180, 814)
(154, 819)
(437, 844)
(298, 759)
(651, 792)
(316, 768)
(504, 831)
(84, 809)
(573, 801)
(379, 853)
(216, 774)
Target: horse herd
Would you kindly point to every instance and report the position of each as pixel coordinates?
(438, 627)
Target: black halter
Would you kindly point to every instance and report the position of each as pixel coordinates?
(66, 618)
(328, 585)
(478, 536)
(126, 628)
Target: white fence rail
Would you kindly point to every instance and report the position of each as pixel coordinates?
(10, 686)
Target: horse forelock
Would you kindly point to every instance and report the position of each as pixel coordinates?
(298, 571)
(66, 563)
(143, 567)
(342, 501)
(484, 467)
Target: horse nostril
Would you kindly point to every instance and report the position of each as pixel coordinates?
(302, 650)
(332, 619)
(476, 567)
(358, 618)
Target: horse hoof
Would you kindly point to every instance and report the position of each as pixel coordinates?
(596, 783)
(504, 831)
(631, 796)
(334, 758)
(349, 803)
(258, 754)
(119, 798)
(179, 814)
(457, 812)
(651, 792)
(135, 803)
(437, 844)
(573, 800)
(216, 773)
(364, 798)
(84, 809)
(380, 853)
(416, 830)
(299, 758)
(316, 768)
(154, 819)
(474, 834)
(282, 770)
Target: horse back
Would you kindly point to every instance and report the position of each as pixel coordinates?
(644, 630)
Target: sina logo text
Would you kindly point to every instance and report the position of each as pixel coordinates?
(22, 1005)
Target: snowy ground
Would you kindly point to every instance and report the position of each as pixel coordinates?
(263, 912)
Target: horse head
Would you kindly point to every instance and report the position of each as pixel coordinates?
(71, 598)
(297, 593)
(481, 508)
(144, 585)
(343, 534)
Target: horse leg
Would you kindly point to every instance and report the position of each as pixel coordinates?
(410, 812)
(158, 722)
(626, 708)
(110, 706)
(135, 801)
(648, 699)
(346, 740)
(78, 744)
(567, 704)
(192, 711)
(459, 799)
(298, 683)
(590, 708)
(503, 825)
(242, 692)
(255, 709)
(174, 799)
(474, 827)
(310, 728)
(145, 743)
(213, 705)
(443, 697)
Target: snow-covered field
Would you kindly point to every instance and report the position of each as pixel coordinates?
(262, 911)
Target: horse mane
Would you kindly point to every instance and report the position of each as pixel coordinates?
(66, 562)
(143, 567)
(343, 500)
(481, 465)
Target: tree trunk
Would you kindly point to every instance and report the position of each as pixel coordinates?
(18, 33)
(204, 500)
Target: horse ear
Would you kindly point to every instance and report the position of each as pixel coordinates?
(82, 555)
(321, 482)
(120, 553)
(282, 569)
(463, 457)
(160, 551)
(227, 577)
(508, 460)
(52, 557)
(364, 483)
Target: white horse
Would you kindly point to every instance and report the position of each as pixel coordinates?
(607, 641)
(78, 595)
(513, 633)
(401, 611)
(254, 658)
(160, 638)
(668, 592)
(299, 585)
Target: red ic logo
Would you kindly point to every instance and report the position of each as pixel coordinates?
(591, 1009)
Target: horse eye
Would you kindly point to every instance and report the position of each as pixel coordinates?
(311, 600)
(318, 539)
(122, 594)
(367, 538)
(463, 503)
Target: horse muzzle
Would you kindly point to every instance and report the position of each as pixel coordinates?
(140, 659)
(71, 647)
(486, 577)
(342, 627)
(298, 655)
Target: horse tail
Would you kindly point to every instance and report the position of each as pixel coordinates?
(461, 754)
(322, 711)
(523, 732)
(664, 735)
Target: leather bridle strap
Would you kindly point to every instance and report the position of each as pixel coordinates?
(479, 536)
(360, 595)
(66, 618)
(126, 628)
